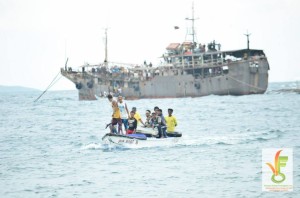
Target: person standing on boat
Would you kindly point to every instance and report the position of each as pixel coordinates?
(137, 116)
(161, 124)
(132, 123)
(124, 112)
(116, 115)
(171, 121)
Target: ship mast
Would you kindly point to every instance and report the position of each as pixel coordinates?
(105, 60)
(247, 39)
(193, 25)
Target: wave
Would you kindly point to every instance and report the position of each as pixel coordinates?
(184, 141)
(242, 137)
(92, 146)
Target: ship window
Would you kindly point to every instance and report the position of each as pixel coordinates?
(207, 58)
(206, 72)
(225, 69)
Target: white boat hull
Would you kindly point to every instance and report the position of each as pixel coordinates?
(131, 142)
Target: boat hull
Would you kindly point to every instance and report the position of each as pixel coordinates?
(135, 142)
(241, 79)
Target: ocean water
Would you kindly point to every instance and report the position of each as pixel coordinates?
(53, 147)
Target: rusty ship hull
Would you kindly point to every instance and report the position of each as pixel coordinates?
(238, 72)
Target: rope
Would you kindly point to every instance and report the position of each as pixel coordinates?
(55, 80)
(246, 83)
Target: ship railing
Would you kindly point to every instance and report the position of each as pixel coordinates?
(69, 70)
(117, 77)
(199, 63)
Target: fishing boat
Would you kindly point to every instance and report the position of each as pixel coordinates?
(187, 69)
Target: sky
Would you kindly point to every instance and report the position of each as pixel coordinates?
(36, 36)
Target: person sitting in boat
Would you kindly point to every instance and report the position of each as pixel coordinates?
(132, 124)
(137, 116)
(148, 118)
(171, 121)
(161, 124)
(156, 110)
(154, 117)
(153, 121)
(116, 115)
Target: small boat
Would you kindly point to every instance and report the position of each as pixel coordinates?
(138, 140)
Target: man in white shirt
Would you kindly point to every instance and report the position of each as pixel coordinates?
(124, 112)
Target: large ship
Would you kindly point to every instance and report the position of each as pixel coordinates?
(188, 69)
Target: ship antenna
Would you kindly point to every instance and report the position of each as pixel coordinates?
(105, 60)
(193, 24)
(247, 39)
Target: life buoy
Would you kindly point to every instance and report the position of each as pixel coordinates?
(197, 85)
(78, 85)
(89, 84)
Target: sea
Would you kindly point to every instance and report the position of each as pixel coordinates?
(53, 147)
